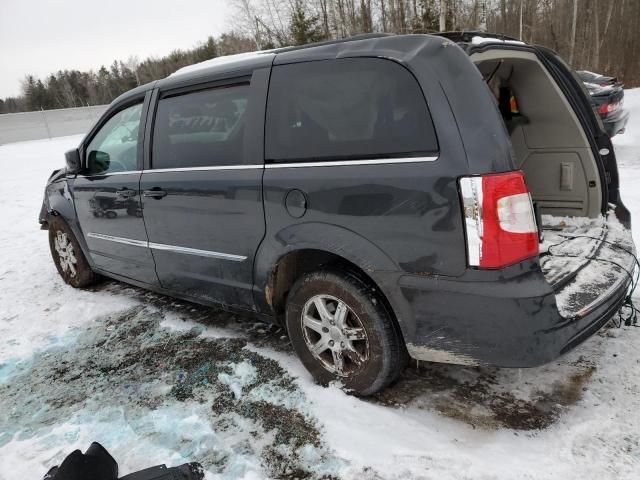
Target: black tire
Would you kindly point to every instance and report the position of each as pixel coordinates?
(80, 275)
(382, 355)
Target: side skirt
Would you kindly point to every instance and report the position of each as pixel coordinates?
(222, 306)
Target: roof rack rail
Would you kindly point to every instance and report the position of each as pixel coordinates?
(467, 36)
(364, 36)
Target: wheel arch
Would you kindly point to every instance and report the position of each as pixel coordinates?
(59, 202)
(280, 263)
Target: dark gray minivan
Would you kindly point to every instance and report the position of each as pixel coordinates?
(447, 198)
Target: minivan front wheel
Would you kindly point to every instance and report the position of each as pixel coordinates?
(67, 255)
(342, 331)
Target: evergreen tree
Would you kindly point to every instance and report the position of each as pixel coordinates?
(304, 28)
(29, 92)
(206, 51)
(73, 88)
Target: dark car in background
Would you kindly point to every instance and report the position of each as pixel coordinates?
(607, 95)
(375, 196)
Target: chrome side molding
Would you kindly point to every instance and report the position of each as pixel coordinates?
(125, 241)
(324, 163)
(198, 252)
(169, 248)
(344, 163)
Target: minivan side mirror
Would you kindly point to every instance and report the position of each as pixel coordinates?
(98, 161)
(73, 161)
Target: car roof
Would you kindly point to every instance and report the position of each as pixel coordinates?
(398, 47)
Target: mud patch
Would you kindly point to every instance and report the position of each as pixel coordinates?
(126, 362)
(490, 398)
(487, 398)
(258, 333)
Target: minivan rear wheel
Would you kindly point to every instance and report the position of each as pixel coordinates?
(67, 255)
(341, 330)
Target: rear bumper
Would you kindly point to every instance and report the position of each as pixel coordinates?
(510, 320)
(616, 123)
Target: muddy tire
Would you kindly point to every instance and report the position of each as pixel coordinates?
(341, 330)
(67, 255)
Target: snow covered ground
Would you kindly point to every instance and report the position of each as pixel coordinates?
(162, 381)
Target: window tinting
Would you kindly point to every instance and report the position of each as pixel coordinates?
(115, 147)
(346, 109)
(200, 129)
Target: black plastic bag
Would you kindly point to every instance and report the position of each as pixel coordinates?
(97, 464)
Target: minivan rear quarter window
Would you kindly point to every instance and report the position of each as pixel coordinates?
(200, 129)
(355, 108)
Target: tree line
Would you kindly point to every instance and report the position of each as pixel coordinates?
(598, 35)
(74, 88)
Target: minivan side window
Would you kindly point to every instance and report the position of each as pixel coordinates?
(200, 129)
(353, 108)
(115, 147)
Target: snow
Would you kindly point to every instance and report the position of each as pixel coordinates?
(479, 40)
(600, 249)
(242, 374)
(596, 89)
(177, 321)
(36, 309)
(627, 147)
(162, 381)
(589, 72)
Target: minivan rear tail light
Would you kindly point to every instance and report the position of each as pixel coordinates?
(608, 107)
(500, 221)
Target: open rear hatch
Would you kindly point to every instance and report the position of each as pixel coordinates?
(586, 260)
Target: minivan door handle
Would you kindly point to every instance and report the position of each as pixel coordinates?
(154, 193)
(125, 192)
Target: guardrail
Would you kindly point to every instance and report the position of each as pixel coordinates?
(19, 127)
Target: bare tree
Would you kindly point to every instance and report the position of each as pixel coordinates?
(521, 24)
(572, 44)
(482, 25)
(580, 30)
(132, 64)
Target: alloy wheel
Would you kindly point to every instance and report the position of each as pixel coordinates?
(66, 255)
(334, 335)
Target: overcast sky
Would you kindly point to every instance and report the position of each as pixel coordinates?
(43, 36)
